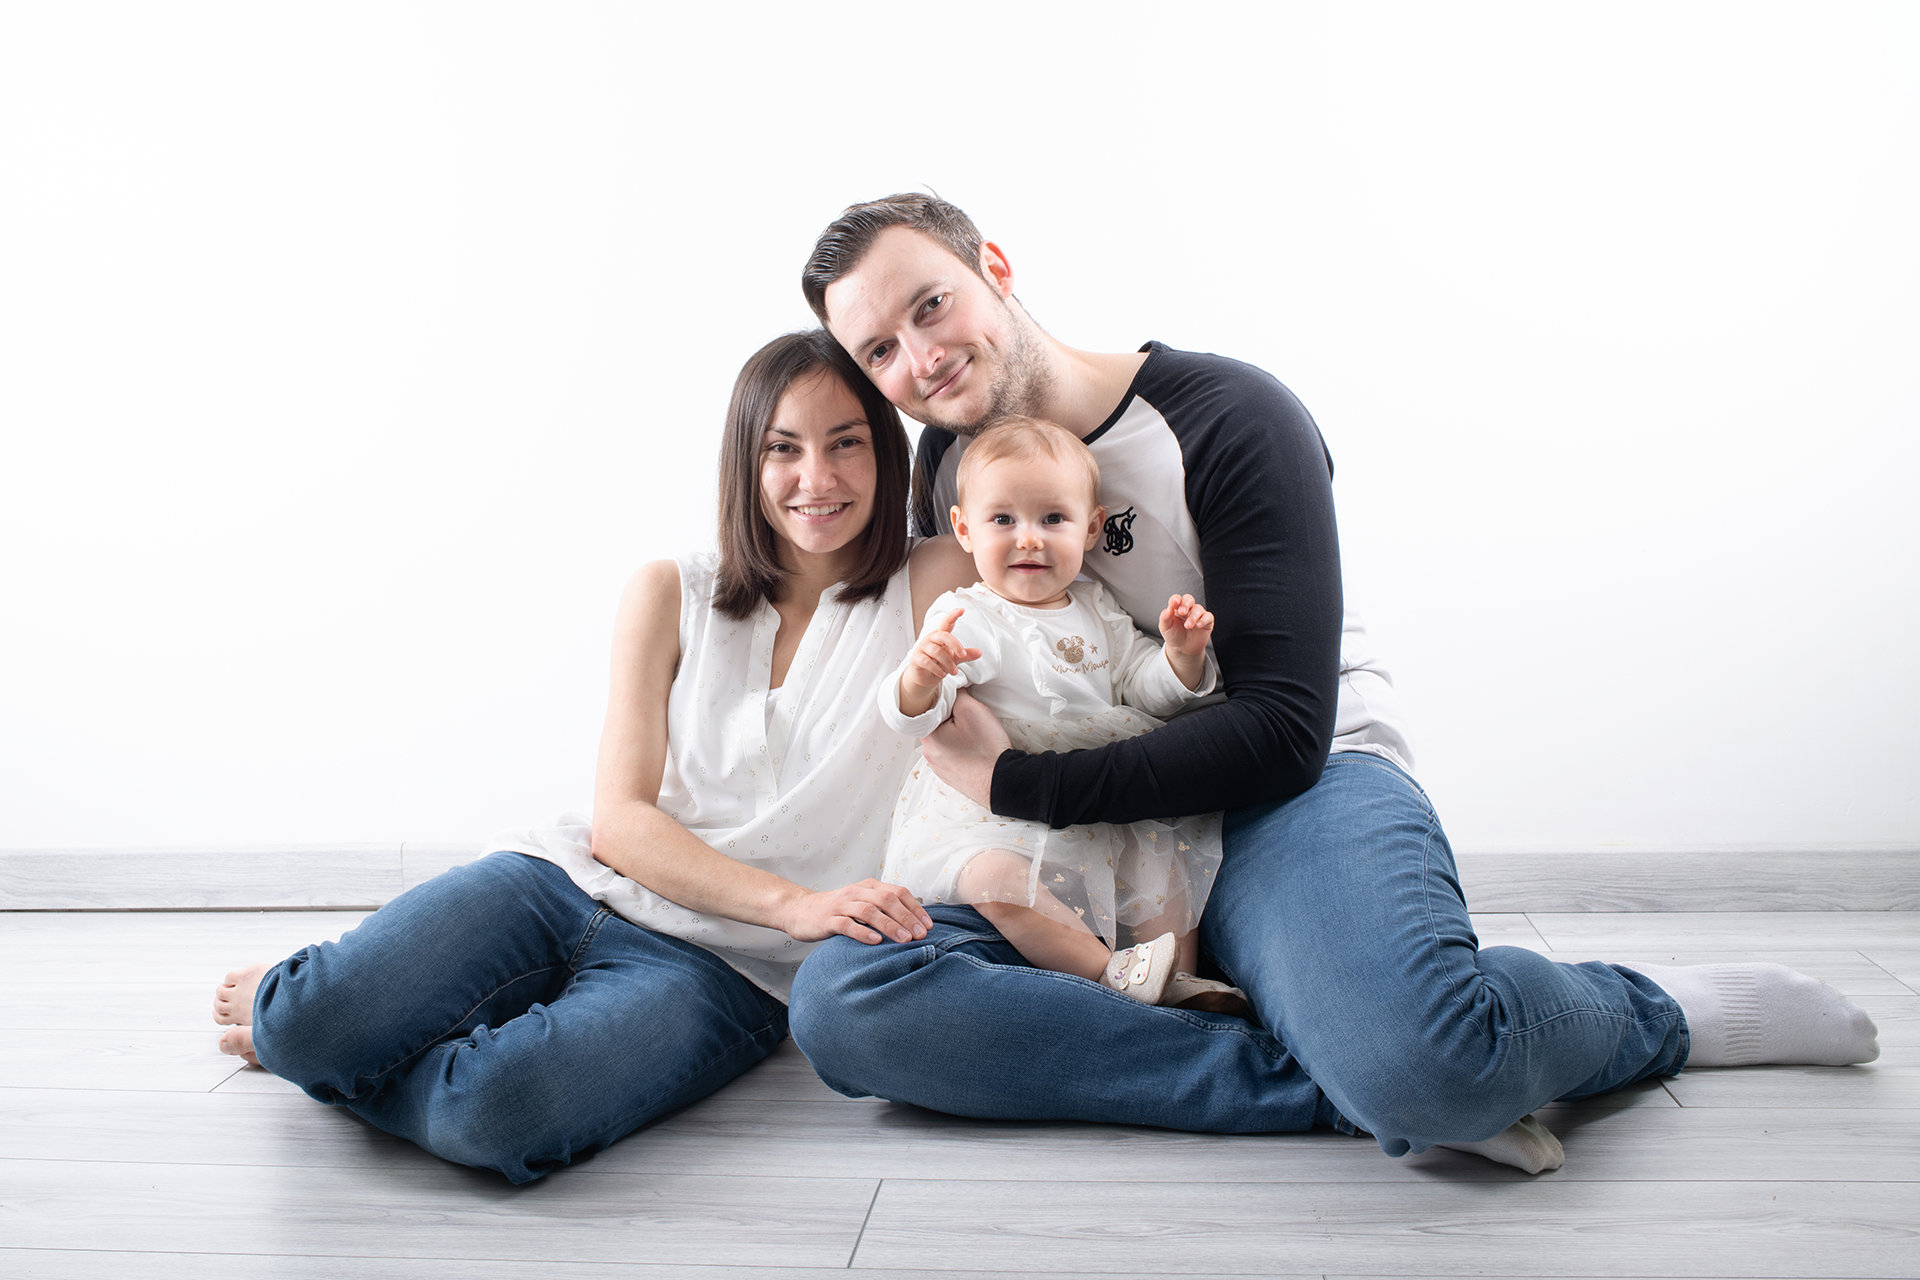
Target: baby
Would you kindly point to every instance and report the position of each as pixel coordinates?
(1064, 668)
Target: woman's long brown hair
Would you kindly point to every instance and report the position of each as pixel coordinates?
(750, 569)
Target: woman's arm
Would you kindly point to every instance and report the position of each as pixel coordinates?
(631, 835)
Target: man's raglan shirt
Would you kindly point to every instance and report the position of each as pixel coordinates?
(1216, 482)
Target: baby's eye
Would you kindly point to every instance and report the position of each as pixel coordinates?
(1053, 517)
(1003, 518)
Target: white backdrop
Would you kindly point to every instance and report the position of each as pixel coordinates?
(350, 358)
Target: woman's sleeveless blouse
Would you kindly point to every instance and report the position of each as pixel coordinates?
(805, 790)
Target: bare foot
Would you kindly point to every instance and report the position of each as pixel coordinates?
(238, 1041)
(233, 999)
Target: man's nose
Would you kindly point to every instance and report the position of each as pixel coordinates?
(926, 357)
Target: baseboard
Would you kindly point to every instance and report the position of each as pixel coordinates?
(293, 877)
(1697, 878)
(283, 877)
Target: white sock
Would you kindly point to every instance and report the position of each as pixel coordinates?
(1527, 1145)
(1742, 1014)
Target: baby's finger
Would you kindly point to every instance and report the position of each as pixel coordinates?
(946, 623)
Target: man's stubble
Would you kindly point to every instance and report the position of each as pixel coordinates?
(1023, 383)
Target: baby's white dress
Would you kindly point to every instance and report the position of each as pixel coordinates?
(1059, 680)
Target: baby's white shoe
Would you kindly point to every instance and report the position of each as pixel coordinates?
(1184, 991)
(1141, 971)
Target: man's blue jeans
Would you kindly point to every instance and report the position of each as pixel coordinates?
(1340, 914)
(499, 1017)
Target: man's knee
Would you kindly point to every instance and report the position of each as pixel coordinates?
(834, 1011)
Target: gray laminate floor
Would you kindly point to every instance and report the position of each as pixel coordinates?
(130, 1147)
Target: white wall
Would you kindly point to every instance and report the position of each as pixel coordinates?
(351, 358)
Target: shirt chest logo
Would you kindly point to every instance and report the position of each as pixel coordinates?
(1118, 538)
(1076, 651)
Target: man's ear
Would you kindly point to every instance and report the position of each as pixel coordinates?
(958, 519)
(995, 267)
(1095, 525)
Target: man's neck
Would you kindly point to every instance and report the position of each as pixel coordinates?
(1085, 387)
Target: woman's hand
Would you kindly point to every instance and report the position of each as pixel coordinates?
(870, 911)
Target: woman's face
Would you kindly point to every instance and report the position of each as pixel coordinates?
(817, 472)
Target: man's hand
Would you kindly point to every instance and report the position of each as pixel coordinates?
(1186, 627)
(962, 751)
(938, 655)
(870, 911)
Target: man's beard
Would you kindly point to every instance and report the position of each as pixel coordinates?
(1020, 387)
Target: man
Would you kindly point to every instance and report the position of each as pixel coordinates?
(1337, 908)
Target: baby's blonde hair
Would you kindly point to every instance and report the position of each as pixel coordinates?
(1015, 436)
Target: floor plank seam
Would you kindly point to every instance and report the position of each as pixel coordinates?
(862, 1233)
(1890, 973)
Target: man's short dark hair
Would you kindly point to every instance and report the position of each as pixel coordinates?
(849, 236)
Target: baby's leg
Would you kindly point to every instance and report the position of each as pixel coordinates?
(1173, 920)
(1049, 933)
(1184, 991)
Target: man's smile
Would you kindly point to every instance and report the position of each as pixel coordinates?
(950, 379)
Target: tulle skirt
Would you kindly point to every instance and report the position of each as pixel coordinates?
(1114, 877)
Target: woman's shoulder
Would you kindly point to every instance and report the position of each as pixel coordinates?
(659, 581)
(937, 567)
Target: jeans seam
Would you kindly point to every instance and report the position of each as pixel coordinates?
(445, 1035)
(586, 939)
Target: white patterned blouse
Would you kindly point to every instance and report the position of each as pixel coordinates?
(801, 784)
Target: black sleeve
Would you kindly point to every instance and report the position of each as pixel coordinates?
(928, 521)
(1259, 488)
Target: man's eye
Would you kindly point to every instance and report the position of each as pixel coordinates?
(879, 354)
(933, 304)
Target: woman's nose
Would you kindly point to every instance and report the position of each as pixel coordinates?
(816, 473)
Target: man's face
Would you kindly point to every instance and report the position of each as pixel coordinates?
(938, 341)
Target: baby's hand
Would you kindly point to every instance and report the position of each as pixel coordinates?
(938, 655)
(1186, 627)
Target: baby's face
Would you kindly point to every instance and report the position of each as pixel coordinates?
(1029, 522)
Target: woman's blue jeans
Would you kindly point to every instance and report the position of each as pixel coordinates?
(499, 1017)
(1340, 914)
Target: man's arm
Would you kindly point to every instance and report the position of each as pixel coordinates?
(1259, 488)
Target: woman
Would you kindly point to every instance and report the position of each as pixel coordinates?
(578, 982)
